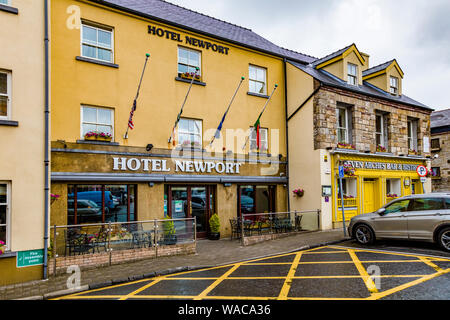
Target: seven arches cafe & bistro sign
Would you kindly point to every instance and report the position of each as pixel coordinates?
(380, 165)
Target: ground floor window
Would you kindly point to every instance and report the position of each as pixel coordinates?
(101, 203)
(182, 202)
(393, 188)
(4, 201)
(256, 199)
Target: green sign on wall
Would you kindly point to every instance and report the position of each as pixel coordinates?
(30, 258)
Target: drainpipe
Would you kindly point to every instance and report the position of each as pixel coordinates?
(287, 136)
(46, 151)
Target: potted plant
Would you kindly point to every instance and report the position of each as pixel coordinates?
(381, 149)
(170, 236)
(298, 192)
(214, 225)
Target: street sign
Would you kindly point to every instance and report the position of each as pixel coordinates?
(422, 171)
(423, 180)
(30, 258)
(341, 172)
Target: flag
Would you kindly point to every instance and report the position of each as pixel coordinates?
(130, 121)
(257, 127)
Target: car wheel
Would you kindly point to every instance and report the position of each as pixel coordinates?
(364, 234)
(444, 239)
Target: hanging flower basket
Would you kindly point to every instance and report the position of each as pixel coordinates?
(98, 136)
(298, 192)
(54, 197)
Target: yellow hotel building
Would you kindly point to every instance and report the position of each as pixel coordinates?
(98, 53)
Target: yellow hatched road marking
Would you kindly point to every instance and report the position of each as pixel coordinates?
(362, 271)
(217, 282)
(383, 294)
(431, 264)
(287, 283)
(155, 281)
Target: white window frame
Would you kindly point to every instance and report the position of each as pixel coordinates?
(347, 127)
(350, 75)
(393, 85)
(8, 213)
(199, 124)
(96, 123)
(7, 95)
(264, 133)
(383, 132)
(189, 51)
(412, 134)
(97, 46)
(250, 80)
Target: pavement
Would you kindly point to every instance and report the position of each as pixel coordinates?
(209, 254)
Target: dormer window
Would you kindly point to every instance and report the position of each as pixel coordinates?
(394, 86)
(352, 74)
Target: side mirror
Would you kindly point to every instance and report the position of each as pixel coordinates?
(381, 211)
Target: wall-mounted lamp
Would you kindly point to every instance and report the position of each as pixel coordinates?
(151, 184)
(227, 185)
(149, 147)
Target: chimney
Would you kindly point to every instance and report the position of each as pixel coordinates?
(366, 58)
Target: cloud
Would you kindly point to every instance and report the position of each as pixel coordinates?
(416, 33)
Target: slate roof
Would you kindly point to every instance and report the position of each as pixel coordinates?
(178, 16)
(327, 78)
(331, 56)
(440, 119)
(377, 68)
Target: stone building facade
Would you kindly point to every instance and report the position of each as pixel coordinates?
(440, 148)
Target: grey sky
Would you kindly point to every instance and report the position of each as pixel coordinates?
(415, 32)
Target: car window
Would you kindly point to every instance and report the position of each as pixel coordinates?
(398, 206)
(447, 203)
(427, 204)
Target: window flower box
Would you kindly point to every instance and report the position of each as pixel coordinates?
(391, 196)
(189, 76)
(191, 145)
(98, 136)
(381, 149)
(349, 171)
(348, 146)
(412, 152)
(2, 247)
(298, 192)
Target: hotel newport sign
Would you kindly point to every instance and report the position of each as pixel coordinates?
(380, 165)
(187, 40)
(156, 165)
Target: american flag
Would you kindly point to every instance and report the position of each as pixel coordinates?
(130, 121)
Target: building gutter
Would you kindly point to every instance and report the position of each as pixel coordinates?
(287, 135)
(47, 139)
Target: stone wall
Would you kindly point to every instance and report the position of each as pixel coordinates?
(363, 121)
(442, 183)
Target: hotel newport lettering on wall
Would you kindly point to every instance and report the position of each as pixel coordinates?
(380, 165)
(156, 165)
(187, 40)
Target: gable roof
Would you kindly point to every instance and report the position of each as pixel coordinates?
(340, 54)
(366, 88)
(382, 67)
(177, 16)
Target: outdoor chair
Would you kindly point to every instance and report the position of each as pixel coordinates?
(100, 240)
(235, 228)
(77, 242)
(298, 222)
(141, 239)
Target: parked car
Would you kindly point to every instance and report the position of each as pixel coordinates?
(87, 211)
(423, 217)
(96, 196)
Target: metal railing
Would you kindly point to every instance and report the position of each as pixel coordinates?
(72, 240)
(275, 223)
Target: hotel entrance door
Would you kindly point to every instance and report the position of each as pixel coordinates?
(190, 202)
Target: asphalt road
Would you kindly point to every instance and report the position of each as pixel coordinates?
(384, 271)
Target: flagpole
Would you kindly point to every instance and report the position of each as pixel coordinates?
(260, 115)
(182, 106)
(226, 112)
(137, 94)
